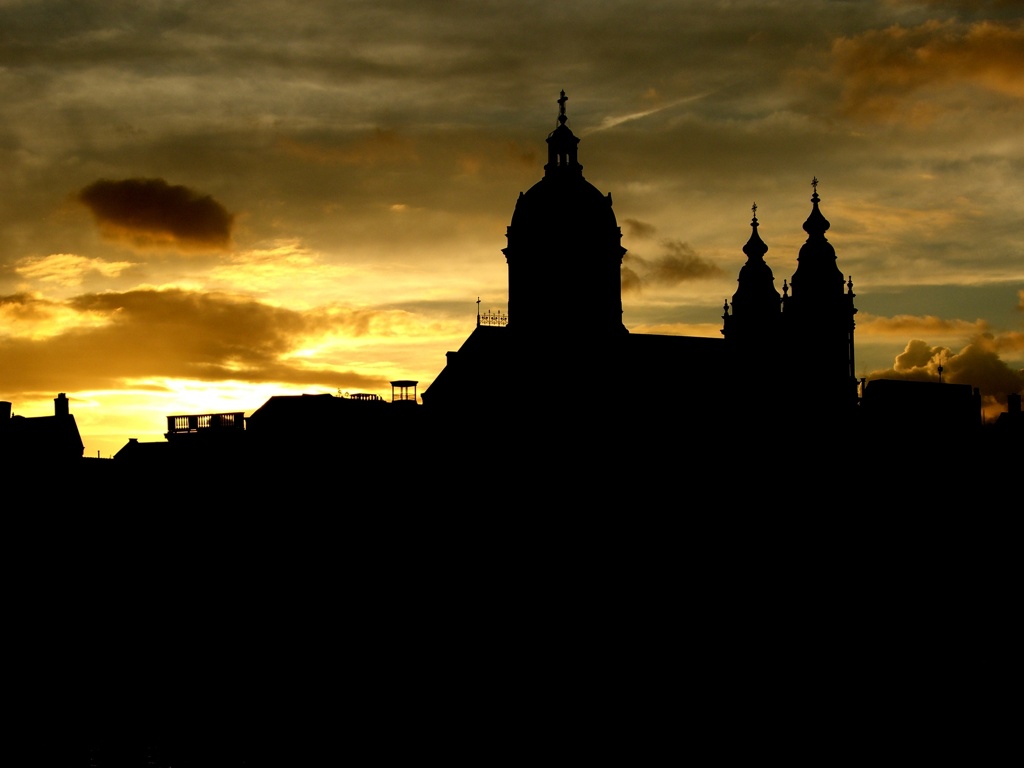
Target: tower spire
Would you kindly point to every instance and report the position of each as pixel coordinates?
(755, 305)
(755, 247)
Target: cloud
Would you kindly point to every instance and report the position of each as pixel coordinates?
(977, 364)
(1012, 342)
(147, 334)
(680, 263)
(67, 269)
(882, 68)
(904, 325)
(639, 230)
(22, 307)
(610, 121)
(29, 316)
(151, 212)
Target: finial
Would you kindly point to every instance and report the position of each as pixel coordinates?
(561, 108)
(477, 311)
(755, 247)
(814, 186)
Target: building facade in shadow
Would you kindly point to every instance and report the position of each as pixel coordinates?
(787, 355)
(40, 440)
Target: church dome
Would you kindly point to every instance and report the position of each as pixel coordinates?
(564, 244)
(563, 207)
(563, 203)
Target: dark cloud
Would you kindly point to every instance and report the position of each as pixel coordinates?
(155, 334)
(678, 264)
(639, 230)
(24, 306)
(151, 212)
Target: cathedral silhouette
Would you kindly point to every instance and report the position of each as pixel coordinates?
(785, 356)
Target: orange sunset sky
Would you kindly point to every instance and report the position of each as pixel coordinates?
(207, 204)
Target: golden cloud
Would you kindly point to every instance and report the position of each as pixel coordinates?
(152, 213)
(30, 317)
(147, 334)
(977, 364)
(67, 269)
(881, 68)
(22, 306)
(903, 325)
(1009, 342)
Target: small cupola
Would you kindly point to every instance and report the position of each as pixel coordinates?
(562, 146)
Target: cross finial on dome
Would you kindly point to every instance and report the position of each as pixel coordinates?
(816, 224)
(561, 108)
(753, 209)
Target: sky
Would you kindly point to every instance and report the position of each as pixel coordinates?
(208, 204)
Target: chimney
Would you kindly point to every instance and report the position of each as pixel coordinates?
(60, 405)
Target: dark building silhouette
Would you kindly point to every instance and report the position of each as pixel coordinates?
(899, 407)
(40, 440)
(209, 438)
(287, 432)
(1012, 420)
(788, 356)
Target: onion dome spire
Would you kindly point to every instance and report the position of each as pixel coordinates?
(756, 301)
(755, 247)
(816, 224)
(562, 146)
(817, 278)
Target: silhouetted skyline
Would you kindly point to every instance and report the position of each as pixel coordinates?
(207, 208)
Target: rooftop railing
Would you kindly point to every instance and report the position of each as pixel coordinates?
(205, 422)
